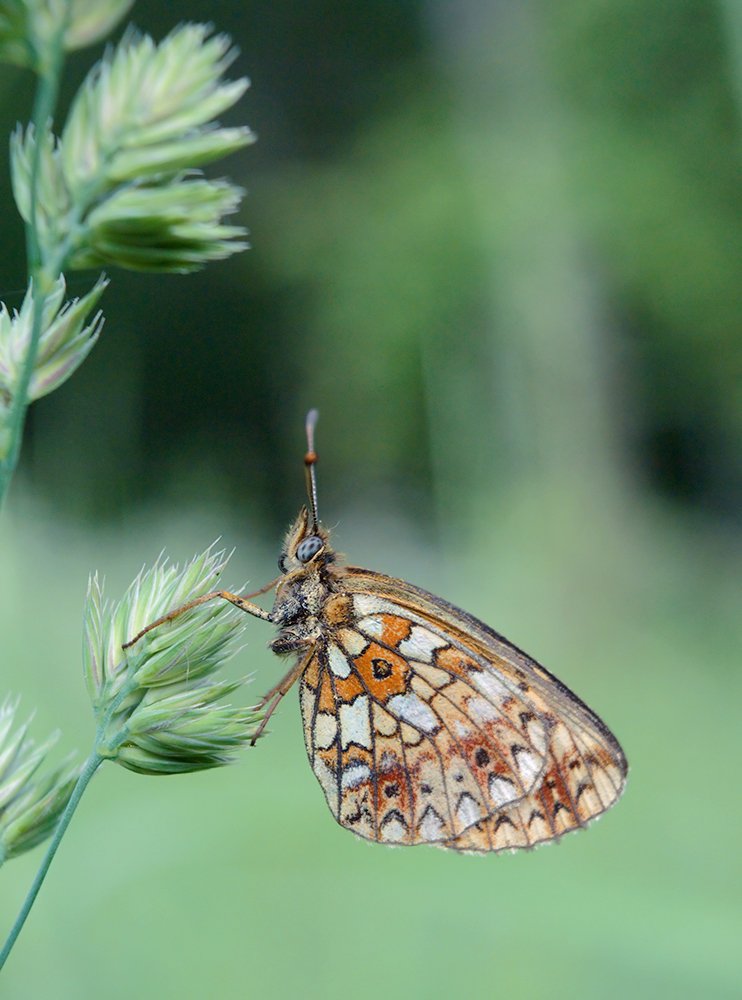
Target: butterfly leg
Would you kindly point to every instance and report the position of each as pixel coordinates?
(239, 602)
(264, 590)
(276, 693)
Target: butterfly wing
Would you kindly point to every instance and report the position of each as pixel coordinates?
(578, 785)
(425, 726)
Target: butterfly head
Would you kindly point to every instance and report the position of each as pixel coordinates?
(306, 544)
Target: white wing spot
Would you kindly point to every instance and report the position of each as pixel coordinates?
(307, 700)
(489, 685)
(355, 724)
(325, 730)
(371, 626)
(431, 825)
(421, 644)
(501, 790)
(410, 708)
(354, 774)
(369, 604)
(529, 766)
(393, 831)
(353, 642)
(338, 661)
(468, 811)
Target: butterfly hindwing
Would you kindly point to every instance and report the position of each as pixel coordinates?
(398, 758)
(424, 726)
(575, 789)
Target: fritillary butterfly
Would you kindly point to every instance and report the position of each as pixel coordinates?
(422, 724)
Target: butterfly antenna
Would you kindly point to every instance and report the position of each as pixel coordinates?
(310, 460)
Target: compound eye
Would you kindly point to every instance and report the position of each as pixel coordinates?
(308, 548)
(282, 562)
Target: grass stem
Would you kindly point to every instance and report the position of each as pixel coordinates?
(91, 766)
(45, 100)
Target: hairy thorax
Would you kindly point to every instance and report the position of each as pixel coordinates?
(298, 610)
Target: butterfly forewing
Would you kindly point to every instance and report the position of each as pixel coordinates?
(424, 726)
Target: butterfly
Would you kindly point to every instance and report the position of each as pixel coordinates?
(422, 724)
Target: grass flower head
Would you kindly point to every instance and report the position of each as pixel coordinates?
(158, 704)
(30, 803)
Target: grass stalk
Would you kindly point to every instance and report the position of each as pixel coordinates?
(91, 766)
(45, 101)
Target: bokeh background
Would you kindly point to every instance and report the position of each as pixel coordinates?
(497, 244)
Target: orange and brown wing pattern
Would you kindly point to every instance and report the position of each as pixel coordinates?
(407, 751)
(580, 782)
(423, 726)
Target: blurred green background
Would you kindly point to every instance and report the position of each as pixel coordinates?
(498, 245)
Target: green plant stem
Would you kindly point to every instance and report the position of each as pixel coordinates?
(91, 766)
(45, 100)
